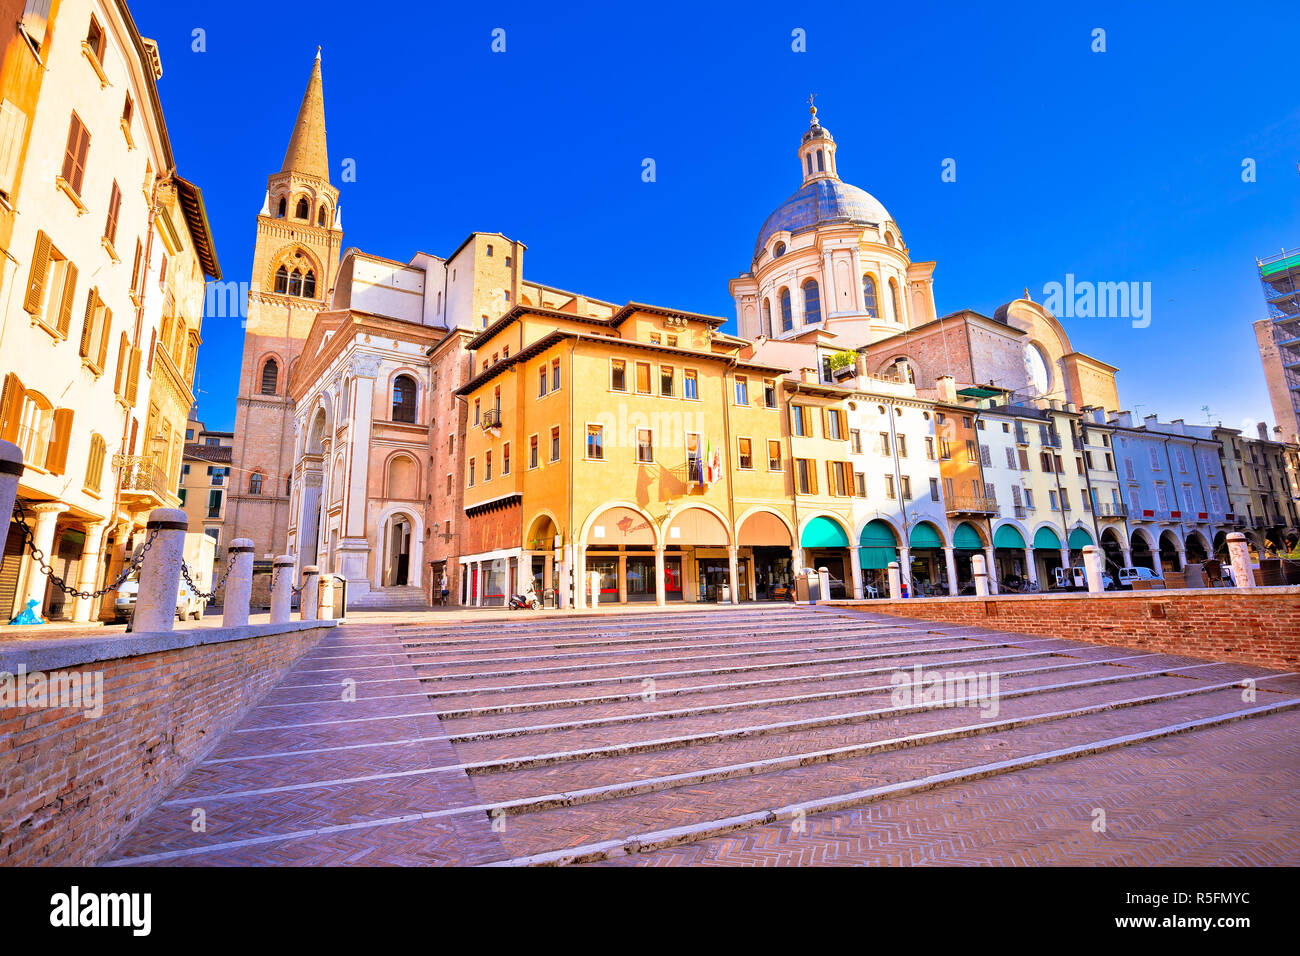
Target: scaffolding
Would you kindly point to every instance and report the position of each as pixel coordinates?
(1280, 277)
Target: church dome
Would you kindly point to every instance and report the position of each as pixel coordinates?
(825, 201)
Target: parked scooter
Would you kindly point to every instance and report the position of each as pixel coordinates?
(528, 601)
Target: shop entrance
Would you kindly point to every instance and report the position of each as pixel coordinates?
(773, 574)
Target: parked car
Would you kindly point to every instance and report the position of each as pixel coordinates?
(1075, 579)
(1128, 575)
(188, 604)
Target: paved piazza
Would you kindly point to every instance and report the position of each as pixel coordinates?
(764, 736)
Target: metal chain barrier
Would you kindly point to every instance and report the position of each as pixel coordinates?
(207, 596)
(275, 573)
(29, 537)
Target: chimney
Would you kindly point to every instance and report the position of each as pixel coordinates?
(947, 386)
(1263, 430)
(1124, 418)
(1151, 421)
(1099, 416)
(809, 375)
(1277, 432)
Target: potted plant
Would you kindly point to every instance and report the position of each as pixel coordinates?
(844, 364)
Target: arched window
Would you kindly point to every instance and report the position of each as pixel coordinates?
(812, 302)
(303, 209)
(869, 296)
(270, 377)
(404, 399)
(282, 207)
(893, 301)
(787, 317)
(320, 219)
(282, 280)
(767, 318)
(309, 285)
(810, 162)
(295, 283)
(255, 483)
(821, 168)
(778, 250)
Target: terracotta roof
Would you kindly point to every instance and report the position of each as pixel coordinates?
(217, 454)
(307, 152)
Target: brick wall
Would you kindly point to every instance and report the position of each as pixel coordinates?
(71, 787)
(1258, 626)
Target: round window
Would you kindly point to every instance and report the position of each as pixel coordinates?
(778, 250)
(1036, 367)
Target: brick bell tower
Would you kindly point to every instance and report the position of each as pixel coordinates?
(295, 262)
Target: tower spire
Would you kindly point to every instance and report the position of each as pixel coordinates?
(307, 153)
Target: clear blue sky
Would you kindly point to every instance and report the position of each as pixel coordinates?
(1120, 166)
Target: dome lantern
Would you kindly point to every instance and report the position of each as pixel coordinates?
(816, 149)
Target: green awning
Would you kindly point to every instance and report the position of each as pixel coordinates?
(879, 546)
(967, 538)
(1079, 539)
(822, 532)
(924, 536)
(1008, 537)
(1047, 539)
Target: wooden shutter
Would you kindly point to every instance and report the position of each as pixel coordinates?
(114, 207)
(40, 269)
(74, 157)
(11, 407)
(123, 354)
(95, 464)
(103, 337)
(56, 458)
(135, 268)
(65, 306)
(88, 327)
(133, 377)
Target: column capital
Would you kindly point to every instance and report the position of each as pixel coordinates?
(48, 508)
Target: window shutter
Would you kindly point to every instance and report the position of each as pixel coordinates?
(40, 267)
(88, 327)
(135, 268)
(114, 208)
(11, 407)
(123, 354)
(95, 464)
(13, 127)
(1024, 460)
(74, 158)
(133, 377)
(34, 20)
(986, 457)
(65, 306)
(103, 337)
(56, 459)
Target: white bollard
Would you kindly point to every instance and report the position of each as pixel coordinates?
(980, 571)
(895, 582)
(281, 588)
(824, 581)
(160, 572)
(1092, 568)
(307, 601)
(1239, 554)
(11, 469)
(594, 578)
(239, 584)
(325, 598)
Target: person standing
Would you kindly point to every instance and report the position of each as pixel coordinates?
(442, 584)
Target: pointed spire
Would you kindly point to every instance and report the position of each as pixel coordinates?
(307, 152)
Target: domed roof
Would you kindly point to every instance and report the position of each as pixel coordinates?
(822, 202)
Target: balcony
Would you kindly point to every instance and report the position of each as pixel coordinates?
(972, 505)
(491, 418)
(141, 481)
(1112, 511)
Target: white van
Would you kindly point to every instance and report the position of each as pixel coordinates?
(1128, 575)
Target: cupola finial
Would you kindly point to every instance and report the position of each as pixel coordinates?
(812, 109)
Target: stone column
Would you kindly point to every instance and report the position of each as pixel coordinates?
(579, 578)
(160, 572)
(1239, 554)
(1127, 555)
(905, 569)
(1157, 563)
(895, 585)
(981, 575)
(1092, 568)
(661, 594)
(83, 609)
(1065, 555)
(733, 572)
(950, 562)
(1031, 566)
(307, 606)
(325, 598)
(992, 569)
(858, 304)
(855, 563)
(622, 578)
(239, 584)
(824, 581)
(281, 589)
(47, 519)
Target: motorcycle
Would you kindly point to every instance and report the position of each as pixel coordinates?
(528, 601)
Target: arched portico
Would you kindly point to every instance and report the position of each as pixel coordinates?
(765, 543)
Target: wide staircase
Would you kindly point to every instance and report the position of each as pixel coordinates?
(559, 739)
(406, 598)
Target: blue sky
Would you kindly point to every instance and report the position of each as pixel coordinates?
(1116, 166)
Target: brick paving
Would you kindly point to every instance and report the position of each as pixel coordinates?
(757, 736)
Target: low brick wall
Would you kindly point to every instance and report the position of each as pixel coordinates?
(1251, 626)
(71, 786)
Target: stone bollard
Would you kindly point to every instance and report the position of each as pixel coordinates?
(594, 578)
(980, 571)
(239, 584)
(160, 572)
(895, 582)
(11, 469)
(1239, 555)
(824, 580)
(282, 589)
(325, 598)
(307, 605)
(1092, 569)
